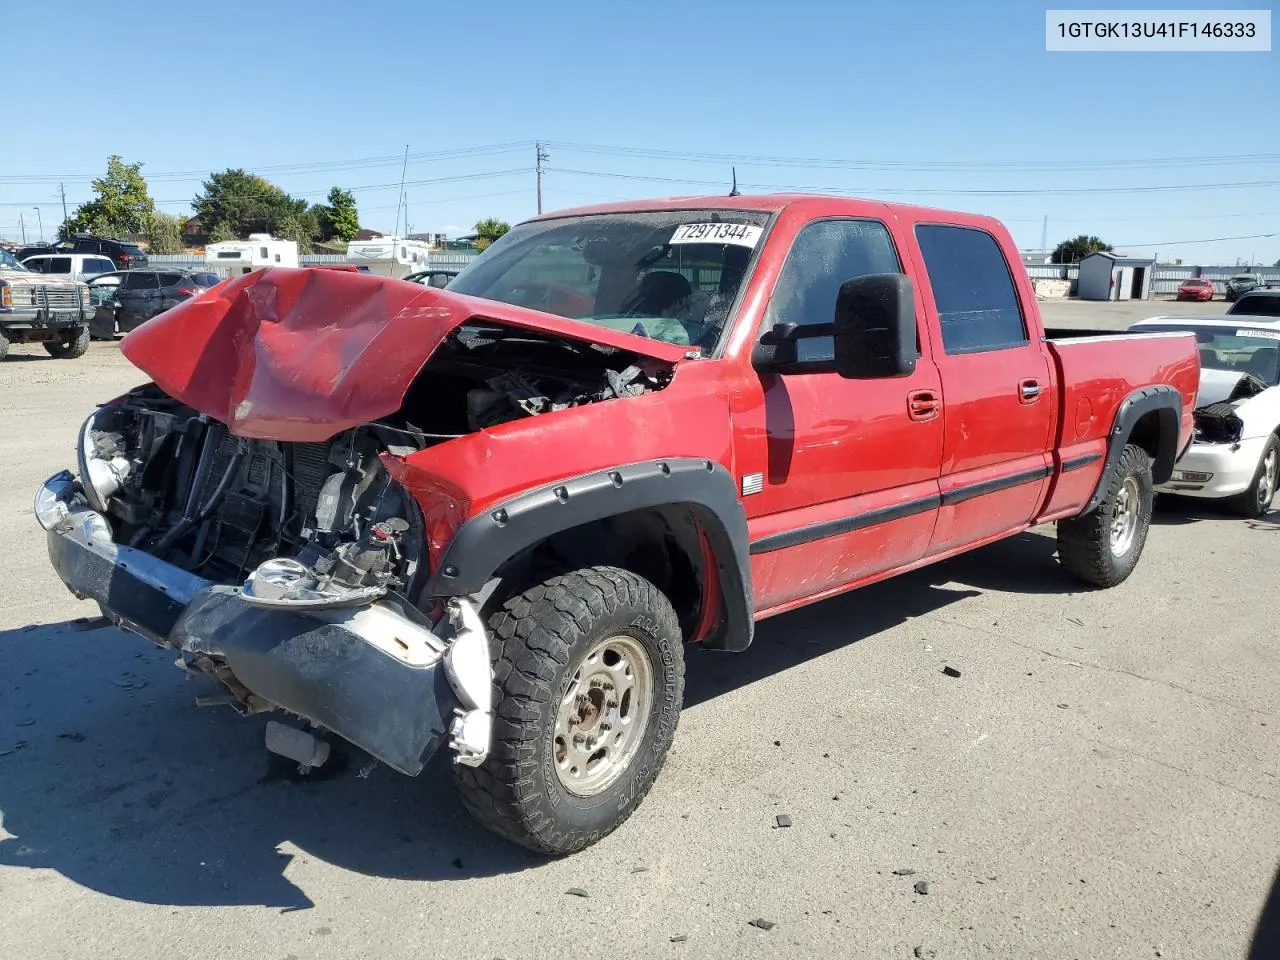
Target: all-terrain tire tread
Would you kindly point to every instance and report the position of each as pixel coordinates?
(1084, 547)
(531, 632)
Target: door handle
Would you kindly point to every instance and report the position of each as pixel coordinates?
(923, 405)
(1029, 391)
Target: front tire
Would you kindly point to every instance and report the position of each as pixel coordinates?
(1103, 546)
(589, 679)
(4, 345)
(73, 344)
(1256, 501)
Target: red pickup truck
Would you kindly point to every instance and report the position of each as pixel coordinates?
(492, 515)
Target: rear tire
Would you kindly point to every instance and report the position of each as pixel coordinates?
(588, 668)
(1103, 546)
(73, 345)
(1256, 501)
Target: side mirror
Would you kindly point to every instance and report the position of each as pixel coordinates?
(875, 327)
(872, 336)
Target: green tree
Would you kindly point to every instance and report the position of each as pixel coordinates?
(339, 218)
(122, 204)
(1076, 249)
(298, 230)
(489, 230)
(220, 233)
(165, 234)
(245, 203)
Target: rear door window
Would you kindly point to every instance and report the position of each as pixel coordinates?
(170, 279)
(977, 303)
(206, 279)
(97, 265)
(58, 265)
(134, 282)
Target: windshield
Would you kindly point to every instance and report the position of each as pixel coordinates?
(1237, 350)
(669, 275)
(1194, 283)
(9, 262)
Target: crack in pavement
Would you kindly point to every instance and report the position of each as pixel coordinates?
(1187, 773)
(1098, 666)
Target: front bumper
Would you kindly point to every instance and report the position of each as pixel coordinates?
(1215, 470)
(391, 685)
(37, 319)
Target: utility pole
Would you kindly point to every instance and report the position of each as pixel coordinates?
(543, 157)
(40, 220)
(1044, 234)
(23, 227)
(63, 188)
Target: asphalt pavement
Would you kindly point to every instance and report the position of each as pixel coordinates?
(1101, 779)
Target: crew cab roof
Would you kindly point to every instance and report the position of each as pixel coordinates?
(813, 203)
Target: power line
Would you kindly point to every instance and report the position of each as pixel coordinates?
(484, 175)
(876, 191)
(320, 166)
(994, 166)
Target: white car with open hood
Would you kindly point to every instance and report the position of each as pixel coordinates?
(1235, 455)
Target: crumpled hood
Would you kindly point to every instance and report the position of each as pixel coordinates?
(1216, 385)
(300, 354)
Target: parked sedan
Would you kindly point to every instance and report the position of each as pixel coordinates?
(1241, 283)
(1235, 454)
(1196, 288)
(141, 294)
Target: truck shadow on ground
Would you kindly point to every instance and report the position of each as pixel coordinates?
(109, 775)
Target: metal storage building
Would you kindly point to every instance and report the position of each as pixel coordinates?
(1107, 276)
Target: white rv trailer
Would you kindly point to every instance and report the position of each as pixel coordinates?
(390, 256)
(234, 257)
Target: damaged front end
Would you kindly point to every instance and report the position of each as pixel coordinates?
(241, 508)
(284, 571)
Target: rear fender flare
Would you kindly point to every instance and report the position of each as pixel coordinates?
(1166, 403)
(485, 541)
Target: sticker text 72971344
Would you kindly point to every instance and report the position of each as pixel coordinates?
(740, 234)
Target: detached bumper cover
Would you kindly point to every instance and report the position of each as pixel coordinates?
(370, 675)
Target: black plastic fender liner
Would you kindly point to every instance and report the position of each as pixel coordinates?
(484, 542)
(1166, 402)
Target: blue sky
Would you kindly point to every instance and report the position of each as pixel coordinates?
(952, 98)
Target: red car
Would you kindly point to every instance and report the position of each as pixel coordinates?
(1195, 288)
(416, 517)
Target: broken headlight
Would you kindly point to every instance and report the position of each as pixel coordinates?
(100, 476)
(1218, 423)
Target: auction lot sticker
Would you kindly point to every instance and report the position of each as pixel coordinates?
(1154, 31)
(741, 234)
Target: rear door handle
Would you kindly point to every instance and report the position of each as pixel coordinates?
(923, 405)
(1029, 391)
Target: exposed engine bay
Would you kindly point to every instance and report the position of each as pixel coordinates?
(324, 524)
(1221, 394)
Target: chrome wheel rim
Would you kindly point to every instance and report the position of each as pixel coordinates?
(1124, 519)
(1267, 481)
(601, 719)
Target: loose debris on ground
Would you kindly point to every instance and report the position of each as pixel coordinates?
(762, 923)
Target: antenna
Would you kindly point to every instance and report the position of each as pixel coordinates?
(734, 192)
(400, 200)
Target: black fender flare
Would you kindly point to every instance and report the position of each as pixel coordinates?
(485, 541)
(1166, 402)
